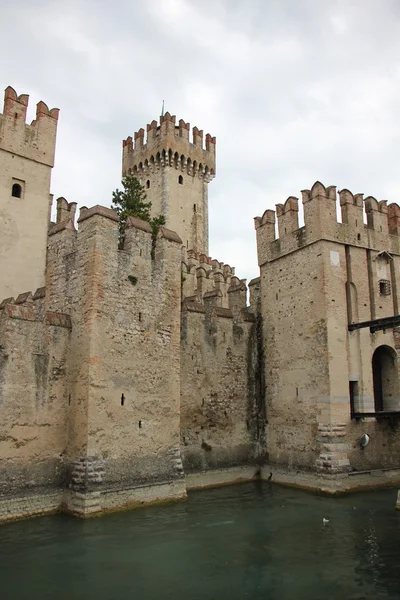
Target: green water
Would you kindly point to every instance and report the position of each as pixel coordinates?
(255, 541)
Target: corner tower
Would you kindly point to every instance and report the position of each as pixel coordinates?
(26, 160)
(175, 172)
(330, 307)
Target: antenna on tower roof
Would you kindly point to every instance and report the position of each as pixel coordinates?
(162, 110)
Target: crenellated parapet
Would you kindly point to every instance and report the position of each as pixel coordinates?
(211, 283)
(29, 306)
(65, 210)
(381, 231)
(74, 251)
(166, 144)
(35, 141)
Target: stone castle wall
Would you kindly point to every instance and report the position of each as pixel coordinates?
(222, 422)
(125, 348)
(33, 396)
(129, 369)
(315, 281)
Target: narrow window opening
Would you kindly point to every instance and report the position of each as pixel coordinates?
(194, 208)
(16, 190)
(140, 253)
(384, 287)
(180, 179)
(356, 223)
(122, 399)
(297, 392)
(276, 296)
(140, 316)
(140, 424)
(353, 390)
(285, 229)
(15, 115)
(148, 183)
(359, 236)
(69, 399)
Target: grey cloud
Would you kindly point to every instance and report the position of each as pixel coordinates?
(294, 91)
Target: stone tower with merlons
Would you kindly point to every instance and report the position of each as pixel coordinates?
(26, 160)
(175, 171)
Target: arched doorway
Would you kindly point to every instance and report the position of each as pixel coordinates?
(386, 379)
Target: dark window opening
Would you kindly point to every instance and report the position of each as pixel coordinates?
(15, 115)
(384, 287)
(140, 316)
(122, 399)
(353, 391)
(359, 236)
(194, 208)
(16, 190)
(140, 424)
(180, 179)
(148, 183)
(385, 378)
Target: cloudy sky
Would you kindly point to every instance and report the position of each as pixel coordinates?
(294, 90)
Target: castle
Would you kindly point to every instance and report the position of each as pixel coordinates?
(132, 375)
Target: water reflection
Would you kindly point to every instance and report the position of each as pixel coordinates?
(249, 541)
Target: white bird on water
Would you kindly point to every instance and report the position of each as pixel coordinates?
(325, 521)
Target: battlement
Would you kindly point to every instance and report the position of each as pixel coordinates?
(65, 210)
(30, 306)
(35, 141)
(169, 145)
(381, 232)
(209, 282)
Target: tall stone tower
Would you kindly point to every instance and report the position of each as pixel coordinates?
(330, 306)
(26, 160)
(175, 172)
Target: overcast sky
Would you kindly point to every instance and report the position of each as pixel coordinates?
(294, 90)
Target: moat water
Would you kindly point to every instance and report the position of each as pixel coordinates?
(255, 541)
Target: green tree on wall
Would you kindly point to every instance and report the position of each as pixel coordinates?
(131, 202)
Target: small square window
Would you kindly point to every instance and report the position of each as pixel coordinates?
(384, 287)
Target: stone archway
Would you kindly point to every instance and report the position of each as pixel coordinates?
(386, 379)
